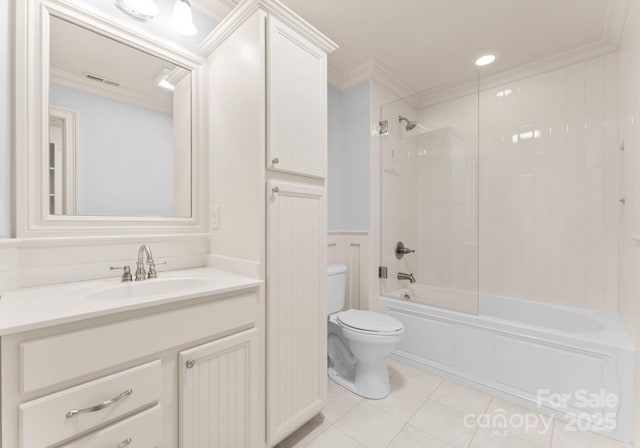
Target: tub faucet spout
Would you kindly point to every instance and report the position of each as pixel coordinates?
(405, 276)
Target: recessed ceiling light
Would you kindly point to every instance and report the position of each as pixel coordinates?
(485, 60)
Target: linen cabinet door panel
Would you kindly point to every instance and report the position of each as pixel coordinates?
(296, 103)
(296, 306)
(219, 385)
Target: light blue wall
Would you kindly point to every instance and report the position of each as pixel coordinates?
(349, 158)
(336, 160)
(357, 151)
(124, 160)
(5, 121)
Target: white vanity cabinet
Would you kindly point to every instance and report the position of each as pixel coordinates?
(154, 377)
(219, 382)
(267, 71)
(296, 102)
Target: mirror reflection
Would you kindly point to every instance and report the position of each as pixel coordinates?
(119, 129)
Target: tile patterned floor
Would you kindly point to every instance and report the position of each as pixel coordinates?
(426, 411)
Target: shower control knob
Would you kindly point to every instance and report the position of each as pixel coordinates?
(402, 250)
(275, 161)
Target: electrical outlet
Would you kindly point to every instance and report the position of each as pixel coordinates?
(215, 217)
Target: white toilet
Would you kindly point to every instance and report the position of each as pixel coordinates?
(359, 341)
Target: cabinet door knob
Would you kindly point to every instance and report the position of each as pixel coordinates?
(275, 161)
(276, 189)
(125, 442)
(190, 364)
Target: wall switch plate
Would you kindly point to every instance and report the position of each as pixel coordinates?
(215, 217)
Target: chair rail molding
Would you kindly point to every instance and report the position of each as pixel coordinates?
(351, 248)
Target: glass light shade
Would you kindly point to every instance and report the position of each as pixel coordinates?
(139, 9)
(182, 19)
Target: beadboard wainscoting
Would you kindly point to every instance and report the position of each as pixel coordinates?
(351, 248)
(25, 263)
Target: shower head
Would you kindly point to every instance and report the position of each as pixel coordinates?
(410, 124)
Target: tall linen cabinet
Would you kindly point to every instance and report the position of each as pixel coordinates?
(267, 71)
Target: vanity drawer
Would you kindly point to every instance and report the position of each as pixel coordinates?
(55, 359)
(143, 430)
(51, 419)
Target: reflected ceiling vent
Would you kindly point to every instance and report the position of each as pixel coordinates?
(100, 79)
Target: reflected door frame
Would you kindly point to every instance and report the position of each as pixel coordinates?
(69, 144)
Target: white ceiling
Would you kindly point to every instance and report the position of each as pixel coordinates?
(434, 43)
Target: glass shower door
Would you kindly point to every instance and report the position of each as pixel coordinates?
(429, 202)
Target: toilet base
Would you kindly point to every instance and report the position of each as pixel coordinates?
(371, 380)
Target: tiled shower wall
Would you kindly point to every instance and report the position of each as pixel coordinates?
(629, 250)
(549, 208)
(548, 183)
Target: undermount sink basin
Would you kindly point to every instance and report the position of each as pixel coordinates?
(147, 288)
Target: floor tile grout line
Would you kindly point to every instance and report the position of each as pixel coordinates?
(475, 433)
(348, 436)
(396, 436)
(315, 437)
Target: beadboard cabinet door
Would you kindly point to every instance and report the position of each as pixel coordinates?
(296, 103)
(219, 384)
(296, 306)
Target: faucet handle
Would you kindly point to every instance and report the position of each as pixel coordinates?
(152, 273)
(126, 274)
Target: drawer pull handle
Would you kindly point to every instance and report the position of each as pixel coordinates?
(125, 442)
(100, 406)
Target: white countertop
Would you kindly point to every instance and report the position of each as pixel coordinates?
(43, 306)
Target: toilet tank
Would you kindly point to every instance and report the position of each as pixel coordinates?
(336, 287)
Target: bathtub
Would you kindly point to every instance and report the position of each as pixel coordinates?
(573, 363)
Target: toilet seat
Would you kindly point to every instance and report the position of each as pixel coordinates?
(369, 322)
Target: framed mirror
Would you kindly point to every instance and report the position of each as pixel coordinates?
(112, 138)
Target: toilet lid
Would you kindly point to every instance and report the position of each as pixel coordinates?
(370, 321)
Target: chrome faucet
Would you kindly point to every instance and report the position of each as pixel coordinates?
(404, 276)
(141, 274)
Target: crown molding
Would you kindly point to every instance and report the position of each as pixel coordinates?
(244, 10)
(371, 70)
(616, 18)
(115, 93)
(444, 93)
(335, 77)
(216, 9)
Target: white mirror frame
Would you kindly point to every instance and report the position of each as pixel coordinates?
(31, 112)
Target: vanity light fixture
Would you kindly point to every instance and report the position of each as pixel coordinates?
(182, 19)
(142, 10)
(485, 60)
(505, 92)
